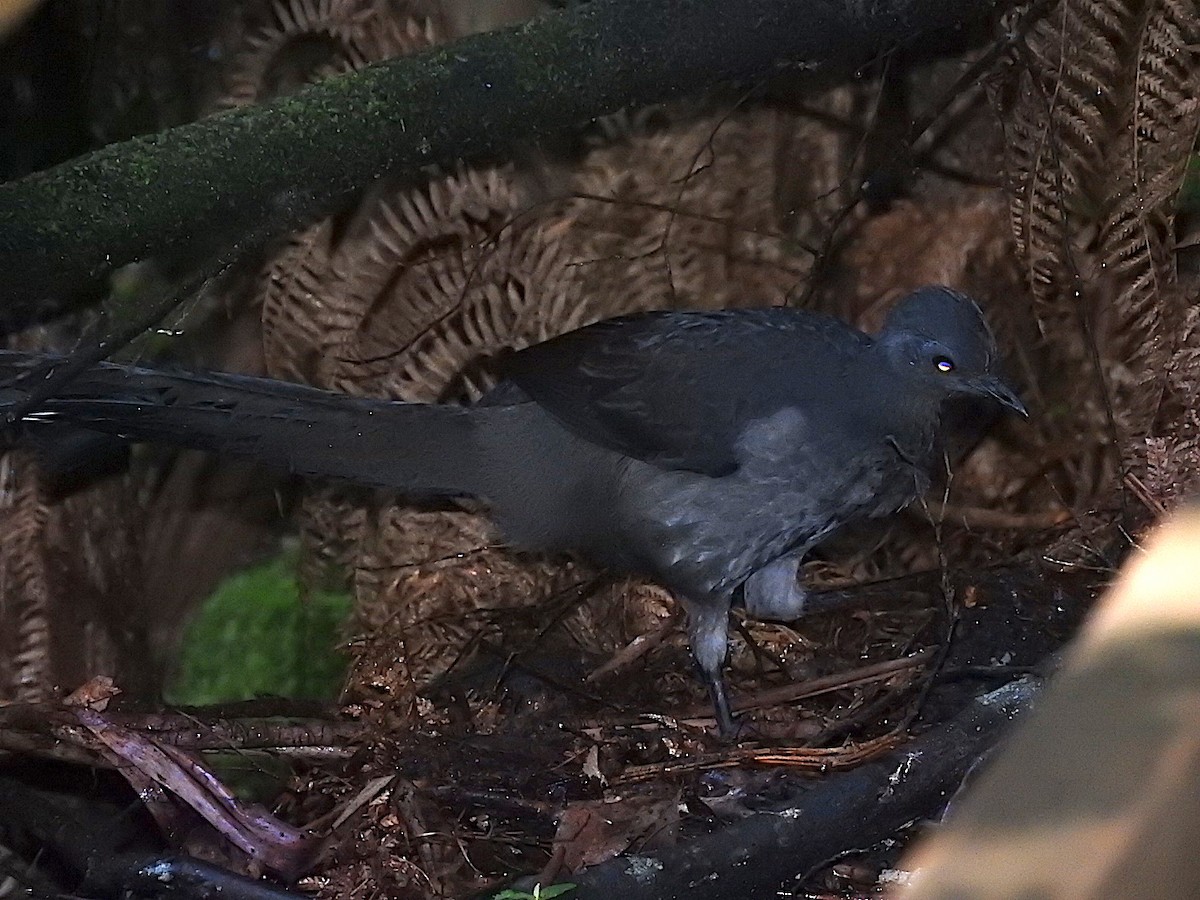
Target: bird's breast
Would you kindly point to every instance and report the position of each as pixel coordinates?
(795, 484)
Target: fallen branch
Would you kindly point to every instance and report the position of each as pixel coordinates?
(770, 850)
(88, 840)
(45, 730)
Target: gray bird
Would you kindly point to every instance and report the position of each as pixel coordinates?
(708, 450)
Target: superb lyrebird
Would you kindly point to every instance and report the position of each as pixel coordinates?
(708, 450)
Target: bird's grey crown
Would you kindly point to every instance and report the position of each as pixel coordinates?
(946, 317)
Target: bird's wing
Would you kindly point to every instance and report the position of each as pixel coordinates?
(677, 389)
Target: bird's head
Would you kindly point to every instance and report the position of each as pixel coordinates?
(938, 342)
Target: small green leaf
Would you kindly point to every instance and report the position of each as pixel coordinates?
(539, 893)
(255, 636)
(554, 890)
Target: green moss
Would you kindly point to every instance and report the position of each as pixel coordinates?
(255, 636)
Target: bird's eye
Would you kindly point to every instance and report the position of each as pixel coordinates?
(943, 363)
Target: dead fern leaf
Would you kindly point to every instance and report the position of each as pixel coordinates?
(1061, 121)
(295, 42)
(71, 599)
(293, 291)
(442, 279)
(1103, 121)
(688, 214)
(25, 581)
(1136, 241)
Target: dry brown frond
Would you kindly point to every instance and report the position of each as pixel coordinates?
(71, 592)
(1173, 455)
(705, 210)
(290, 43)
(300, 41)
(293, 293)
(453, 588)
(1103, 120)
(439, 280)
(1136, 241)
(24, 581)
(1068, 71)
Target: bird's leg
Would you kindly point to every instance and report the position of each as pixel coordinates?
(773, 591)
(720, 701)
(708, 631)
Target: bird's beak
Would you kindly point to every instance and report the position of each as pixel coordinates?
(991, 386)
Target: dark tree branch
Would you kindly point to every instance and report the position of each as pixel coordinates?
(268, 169)
(770, 850)
(86, 840)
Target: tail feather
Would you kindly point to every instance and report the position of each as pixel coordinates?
(416, 448)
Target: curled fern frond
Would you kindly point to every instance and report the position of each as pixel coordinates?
(295, 42)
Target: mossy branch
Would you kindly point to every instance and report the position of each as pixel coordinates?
(268, 169)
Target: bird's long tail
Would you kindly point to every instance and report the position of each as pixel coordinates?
(418, 449)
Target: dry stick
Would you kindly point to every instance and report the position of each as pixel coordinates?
(824, 257)
(952, 614)
(46, 730)
(631, 652)
(817, 758)
(790, 693)
(1143, 494)
(773, 696)
(664, 243)
(972, 76)
(47, 379)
